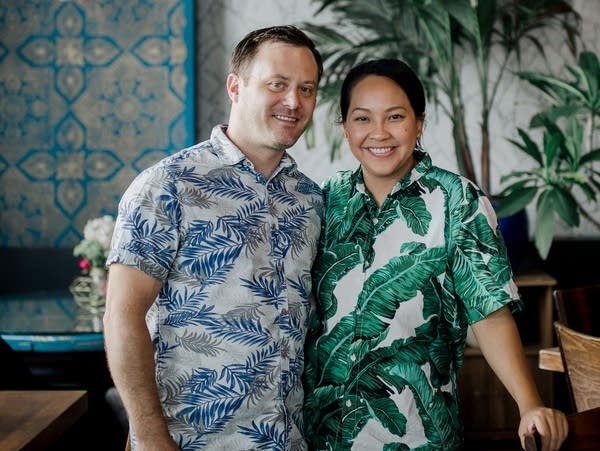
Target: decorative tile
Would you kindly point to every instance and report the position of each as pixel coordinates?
(91, 93)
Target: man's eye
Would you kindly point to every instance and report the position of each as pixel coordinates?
(307, 90)
(276, 85)
(395, 117)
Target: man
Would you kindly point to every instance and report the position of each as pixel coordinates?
(208, 294)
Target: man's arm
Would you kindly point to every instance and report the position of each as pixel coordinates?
(130, 353)
(500, 343)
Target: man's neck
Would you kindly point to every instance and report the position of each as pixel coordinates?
(264, 160)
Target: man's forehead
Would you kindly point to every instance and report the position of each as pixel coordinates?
(276, 59)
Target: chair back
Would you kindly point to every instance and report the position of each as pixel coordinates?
(584, 431)
(581, 359)
(579, 308)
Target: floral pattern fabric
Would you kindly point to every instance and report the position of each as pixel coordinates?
(234, 252)
(396, 287)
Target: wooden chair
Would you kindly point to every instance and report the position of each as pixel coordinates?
(584, 433)
(581, 359)
(579, 308)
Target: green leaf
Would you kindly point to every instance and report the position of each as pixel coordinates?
(544, 224)
(386, 411)
(416, 214)
(518, 185)
(593, 155)
(551, 143)
(515, 201)
(588, 61)
(530, 147)
(566, 206)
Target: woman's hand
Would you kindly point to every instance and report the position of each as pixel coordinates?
(551, 424)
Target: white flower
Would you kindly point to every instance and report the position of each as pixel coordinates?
(100, 229)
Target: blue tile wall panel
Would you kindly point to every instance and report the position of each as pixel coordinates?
(91, 93)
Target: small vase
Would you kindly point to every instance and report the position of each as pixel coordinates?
(98, 276)
(89, 291)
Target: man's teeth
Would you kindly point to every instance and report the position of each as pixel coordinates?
(286, 118)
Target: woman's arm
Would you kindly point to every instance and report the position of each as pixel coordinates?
(500, 343)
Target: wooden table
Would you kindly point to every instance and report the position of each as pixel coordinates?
(32, 419)
(550, 359)
(49, 321)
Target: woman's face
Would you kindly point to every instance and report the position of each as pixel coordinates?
(382, 130)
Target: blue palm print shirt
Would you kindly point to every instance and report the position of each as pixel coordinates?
(396, 287)
(234, 253)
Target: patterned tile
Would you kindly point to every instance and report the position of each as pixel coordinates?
(91, 93)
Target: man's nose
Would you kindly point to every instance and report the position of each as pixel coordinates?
(292, 99)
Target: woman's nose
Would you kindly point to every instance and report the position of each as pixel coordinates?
(379, 130)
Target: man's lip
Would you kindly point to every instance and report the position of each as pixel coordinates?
(286, 118)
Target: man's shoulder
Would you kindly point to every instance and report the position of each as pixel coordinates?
(200, 154)
(305, 185)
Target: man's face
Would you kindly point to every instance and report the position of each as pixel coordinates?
(273, 99)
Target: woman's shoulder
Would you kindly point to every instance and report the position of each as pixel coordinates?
(451, 181)
(341, 181)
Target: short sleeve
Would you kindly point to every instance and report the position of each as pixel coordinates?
(146, 234)
(480, 266)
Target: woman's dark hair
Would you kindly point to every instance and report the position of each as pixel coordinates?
(394, 69)
(247, 48)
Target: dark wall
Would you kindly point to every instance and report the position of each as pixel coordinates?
(571, 262)
(36, 269)
(574, 262)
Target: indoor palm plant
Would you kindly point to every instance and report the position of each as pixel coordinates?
(438, 38)
(565, 162)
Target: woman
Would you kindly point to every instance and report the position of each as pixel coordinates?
(409, 256)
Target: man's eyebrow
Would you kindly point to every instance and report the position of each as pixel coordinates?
(286, 78)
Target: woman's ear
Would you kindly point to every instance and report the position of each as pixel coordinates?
(420, 125)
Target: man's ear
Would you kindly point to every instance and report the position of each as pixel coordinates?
(233, 86)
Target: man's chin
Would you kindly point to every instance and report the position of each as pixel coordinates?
(285, 142)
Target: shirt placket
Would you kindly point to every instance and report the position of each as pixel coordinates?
(352, 401)
(282, 316)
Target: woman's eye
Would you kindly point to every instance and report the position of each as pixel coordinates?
(361, 119)
(395, 117)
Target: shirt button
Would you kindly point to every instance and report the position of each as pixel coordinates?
(375, 221)
(358, 311)
(348, 403)
(353, 357)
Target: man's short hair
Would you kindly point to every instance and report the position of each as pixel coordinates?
(247, 48)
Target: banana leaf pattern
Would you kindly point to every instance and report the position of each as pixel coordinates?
(234, 253)
(396, 287)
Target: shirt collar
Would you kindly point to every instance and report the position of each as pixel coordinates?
(231, 155)
(423, 165)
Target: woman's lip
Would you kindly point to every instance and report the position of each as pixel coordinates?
(380, 150)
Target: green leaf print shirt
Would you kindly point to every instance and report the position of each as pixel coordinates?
(396, 288)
